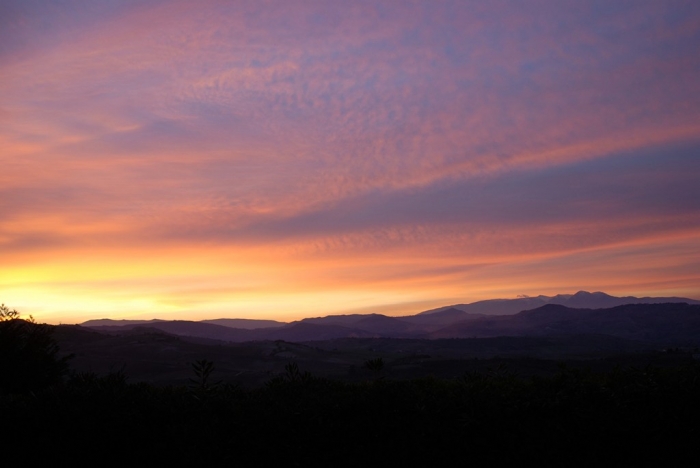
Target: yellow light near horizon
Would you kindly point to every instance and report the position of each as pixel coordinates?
(287, 282)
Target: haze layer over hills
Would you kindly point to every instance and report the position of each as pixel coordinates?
(580, 313)
(532, 334)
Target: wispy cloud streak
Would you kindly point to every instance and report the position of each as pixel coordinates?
(325, 131)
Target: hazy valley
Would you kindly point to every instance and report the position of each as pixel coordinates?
(546, 383)
(447, 342)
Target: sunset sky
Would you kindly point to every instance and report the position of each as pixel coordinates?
(283, 159)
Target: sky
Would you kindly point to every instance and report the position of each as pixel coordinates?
(285, 159)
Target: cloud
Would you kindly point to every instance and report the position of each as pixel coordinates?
(498, 130)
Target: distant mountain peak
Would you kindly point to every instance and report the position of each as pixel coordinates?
(589, 294)
(581, 299)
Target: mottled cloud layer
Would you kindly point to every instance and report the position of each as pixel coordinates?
(280, 159)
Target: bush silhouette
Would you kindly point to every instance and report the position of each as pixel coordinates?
(203, 370)
(28, 354)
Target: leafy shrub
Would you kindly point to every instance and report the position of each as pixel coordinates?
(28, 354)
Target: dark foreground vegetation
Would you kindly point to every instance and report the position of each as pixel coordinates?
(574, 417)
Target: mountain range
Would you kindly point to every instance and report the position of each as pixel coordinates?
(655, 319)
(580, 300)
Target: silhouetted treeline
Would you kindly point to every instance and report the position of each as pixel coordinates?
(573, 418)
(29, 356)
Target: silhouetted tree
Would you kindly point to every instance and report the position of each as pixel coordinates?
(376, 366)
(9, 314)
(203, 370)
(28, 354)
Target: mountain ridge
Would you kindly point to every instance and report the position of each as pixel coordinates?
(452, 322)
(581, 299)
